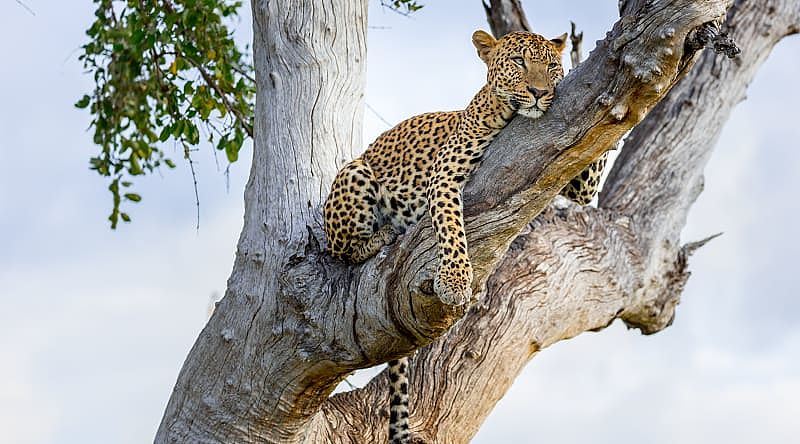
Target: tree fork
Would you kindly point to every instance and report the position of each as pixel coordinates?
(597, 254)
(294, 322)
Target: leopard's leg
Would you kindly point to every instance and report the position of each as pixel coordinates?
(398, 401)
(353, 224)
(403, 206)
(451, 170)
(363, 248)
(582, 188)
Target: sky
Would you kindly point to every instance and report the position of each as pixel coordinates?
(95, 323)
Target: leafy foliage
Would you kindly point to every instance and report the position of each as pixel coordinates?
(164, 70)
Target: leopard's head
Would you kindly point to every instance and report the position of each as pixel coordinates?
(524, 69)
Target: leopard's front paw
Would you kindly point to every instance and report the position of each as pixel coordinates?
(453, 283)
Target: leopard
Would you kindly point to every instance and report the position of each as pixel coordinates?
(421, 166)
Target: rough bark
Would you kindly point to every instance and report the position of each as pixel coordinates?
(293, 322)
(578, 269)
(254, 374)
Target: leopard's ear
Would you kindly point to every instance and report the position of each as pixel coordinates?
(560, 42)
(484, 43)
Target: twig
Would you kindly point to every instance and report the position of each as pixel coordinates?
(26, 8)
(235, 111)
(576, 39)
(210, 82)
(71, 53)
(378, 115)
(244, 73)
(188, 157)
(691, 247)
(347, 381)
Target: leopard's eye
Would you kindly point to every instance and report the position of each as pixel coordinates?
(553, 66)
(519, 61)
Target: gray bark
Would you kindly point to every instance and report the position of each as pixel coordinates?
(293, 322)
(506, 16)
(254, 374)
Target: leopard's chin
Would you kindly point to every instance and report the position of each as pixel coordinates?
(533, 112)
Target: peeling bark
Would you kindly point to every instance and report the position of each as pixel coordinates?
(297, 322)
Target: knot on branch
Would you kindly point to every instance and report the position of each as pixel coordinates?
(711, 35)
(656, 312)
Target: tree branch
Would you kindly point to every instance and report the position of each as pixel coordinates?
(576, 269)
(387, 301)
(26, 7)
(576, 39)
(505, 16)
(294, 322)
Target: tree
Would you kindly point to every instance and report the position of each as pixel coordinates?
(294, 322)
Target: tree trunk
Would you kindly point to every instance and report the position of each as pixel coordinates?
(254, 374)
(294, 322)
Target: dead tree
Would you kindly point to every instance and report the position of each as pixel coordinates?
(294, 322)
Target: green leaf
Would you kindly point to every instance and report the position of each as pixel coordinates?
(177, 129)
(192, 134)
(133, 197)
(232, 153)
(83, 102)
(135, 167)
(165, 133)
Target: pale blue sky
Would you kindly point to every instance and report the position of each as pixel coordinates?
(95, 324)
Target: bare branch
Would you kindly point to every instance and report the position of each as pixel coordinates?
(188, 156)
(505, 16)
(575, 269)
(691, 247)
(19, 2)
(577, 40)
(380, 117)
(523, 170)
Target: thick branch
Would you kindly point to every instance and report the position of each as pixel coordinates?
(659, 173)
(553, 284)
(523, 170)
(576, 269)
(385, 307)
(294, 322)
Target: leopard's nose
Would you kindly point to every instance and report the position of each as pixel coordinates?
(537, 93)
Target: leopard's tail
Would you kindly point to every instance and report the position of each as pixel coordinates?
(398, 401)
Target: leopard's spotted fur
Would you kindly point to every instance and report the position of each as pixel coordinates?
(422, 165)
